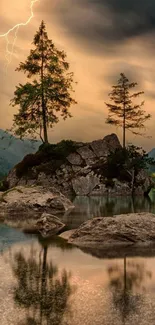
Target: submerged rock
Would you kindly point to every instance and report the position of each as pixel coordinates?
(49, 225)
(111, 232)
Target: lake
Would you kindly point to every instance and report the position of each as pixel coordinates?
(49, 282)
(88, 207)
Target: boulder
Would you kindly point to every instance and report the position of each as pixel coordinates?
(48, 225)
(117, 231)
(112, 141)
(102, 147)
(30, 202)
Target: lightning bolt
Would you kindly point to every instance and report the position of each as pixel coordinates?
(14, 29)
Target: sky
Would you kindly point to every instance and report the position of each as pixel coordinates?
(101, 38)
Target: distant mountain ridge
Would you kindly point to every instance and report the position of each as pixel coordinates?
(13, 150)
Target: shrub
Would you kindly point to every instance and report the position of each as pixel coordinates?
(29, 161)
(53, 153)
(120, 163)
(58, 151)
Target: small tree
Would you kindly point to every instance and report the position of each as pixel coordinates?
(126, 163)
(123, 112)
(48, 93)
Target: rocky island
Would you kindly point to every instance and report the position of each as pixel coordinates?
(78, 169)
(40, 186)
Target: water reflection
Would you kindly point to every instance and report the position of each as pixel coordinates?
(41, 289)
(48, 284)
(127, 286)
(88, 207)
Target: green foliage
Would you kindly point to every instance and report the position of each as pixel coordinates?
(122, 111)
(28, 162)
(122, 161)
(53, 155)
(48, 94)
(60, 150)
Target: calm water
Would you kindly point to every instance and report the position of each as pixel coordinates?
(88, 207)
(52, 283)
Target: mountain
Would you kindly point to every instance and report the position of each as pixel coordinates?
(13, 150)
(152, 153)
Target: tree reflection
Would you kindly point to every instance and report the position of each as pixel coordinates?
(41, 289)
(124, 283)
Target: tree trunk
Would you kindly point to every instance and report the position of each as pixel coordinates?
(133, 181)
(45, 136)
(124, 118)
(124, 130)
(44, 124)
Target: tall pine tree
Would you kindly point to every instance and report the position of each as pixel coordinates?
(48, 95)
(123, 112)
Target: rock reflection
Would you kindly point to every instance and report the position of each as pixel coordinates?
(88, 207)
(42, 290)
(127, 286)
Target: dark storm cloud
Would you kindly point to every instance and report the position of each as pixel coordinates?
(113, 21)
(132, 71)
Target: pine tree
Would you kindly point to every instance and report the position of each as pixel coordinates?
(48, 95)
(123, 112)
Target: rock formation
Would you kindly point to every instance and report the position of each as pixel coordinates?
(48, 225)
(79, 173)
(112, 233)
(23, 206)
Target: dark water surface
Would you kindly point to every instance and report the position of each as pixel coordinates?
(89, 207)
(45, 282)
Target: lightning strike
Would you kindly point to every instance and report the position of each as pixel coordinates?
(14, 29)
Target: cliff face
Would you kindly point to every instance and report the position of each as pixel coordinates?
(79, 172)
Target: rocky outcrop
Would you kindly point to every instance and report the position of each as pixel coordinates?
(101, 148)
(80, 172)
(113, 232)
(30, 202)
